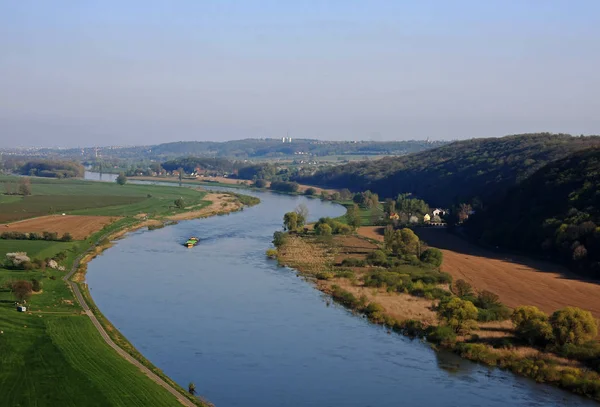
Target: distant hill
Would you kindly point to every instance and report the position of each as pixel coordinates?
(555, 212)
(457, 172)
(268, 148)
(235, 149)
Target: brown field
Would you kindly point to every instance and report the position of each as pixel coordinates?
(79, 226)
(518, 280)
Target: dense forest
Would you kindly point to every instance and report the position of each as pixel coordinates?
(52, 169)
(555, 212)
(454, 173)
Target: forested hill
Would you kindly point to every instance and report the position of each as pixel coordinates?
(458, 172)
(556, 212)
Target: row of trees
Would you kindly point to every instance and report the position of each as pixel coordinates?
(20, 187)
(52, 169)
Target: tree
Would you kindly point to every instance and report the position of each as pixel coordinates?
(464, 210)
(179, 203)
(66, 237)
(290, 221)
(460, 315)
(24, 186)
(310, 191)
(432, 256)
(573, 325)
(353, 216)
(532, 325)
(21, 289)
(121, 179)
(345, 194)
(388, 237)
(36, 285)
(323, 229)
(335, 196)
(302, 211)
(260, 183)
(192, 388)
(463, 289)
(278, 238)
(409, 242)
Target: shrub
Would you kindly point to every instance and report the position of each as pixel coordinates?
(310, 191)
(378, 258)
(324, 275)
(462, 288)
(271, 253)
(573, 325)
(260, 183)
(490, 307)
(532, 325)
(432, 256)
(458, 314)
(179, 203)
(352, 262)
(345, 298)
(279, 239)
(443, 335)
(66, 237)
(323, 229)
(36, 285)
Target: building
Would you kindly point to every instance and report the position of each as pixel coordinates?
(394, 216)
(438, 212)
(426, 218)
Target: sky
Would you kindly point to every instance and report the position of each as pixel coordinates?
(85, 73)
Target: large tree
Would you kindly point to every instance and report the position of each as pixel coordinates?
(21, 289)
(290, 221)
(460, 315)
(573, 325)
(353, 216)
(121, 179)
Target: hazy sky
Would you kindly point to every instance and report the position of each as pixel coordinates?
(140, 72)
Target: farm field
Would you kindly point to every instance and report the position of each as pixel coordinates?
(79, 197)
(52, 354)
(517, 280)
(60, 360)
(79, 226)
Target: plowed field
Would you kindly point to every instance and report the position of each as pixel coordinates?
(79, 226)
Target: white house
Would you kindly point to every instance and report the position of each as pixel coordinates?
(438, 212)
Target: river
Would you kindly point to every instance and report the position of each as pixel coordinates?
(249, 333)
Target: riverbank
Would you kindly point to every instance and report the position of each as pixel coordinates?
(63, 338)
(406, 300)
(220, 204)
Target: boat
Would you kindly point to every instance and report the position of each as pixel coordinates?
(191, 242)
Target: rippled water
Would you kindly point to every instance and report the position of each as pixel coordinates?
(249, 333)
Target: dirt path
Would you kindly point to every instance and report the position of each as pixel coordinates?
(75, 288)
(517, 280)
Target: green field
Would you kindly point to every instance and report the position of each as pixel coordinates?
(79, 197)
(53, 355)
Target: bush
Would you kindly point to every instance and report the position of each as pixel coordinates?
(272, 253)
(345, 298)
(66, 237)
(260, 183)
(310, 191)
(462, 288)
(279, 239)
(378, 258)
(532, 325)
(458, 314)
(573, 325)
(352, 262)
(443, 335)
(323, 229)
(179, 203)
(36, 286)
(490, 307)
(324, 275)
(432, 256)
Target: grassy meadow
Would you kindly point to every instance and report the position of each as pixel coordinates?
(79, 197)
(52, 355)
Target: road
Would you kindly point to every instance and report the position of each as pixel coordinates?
(75, 288)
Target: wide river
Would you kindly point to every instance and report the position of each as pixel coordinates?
(250, 333)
